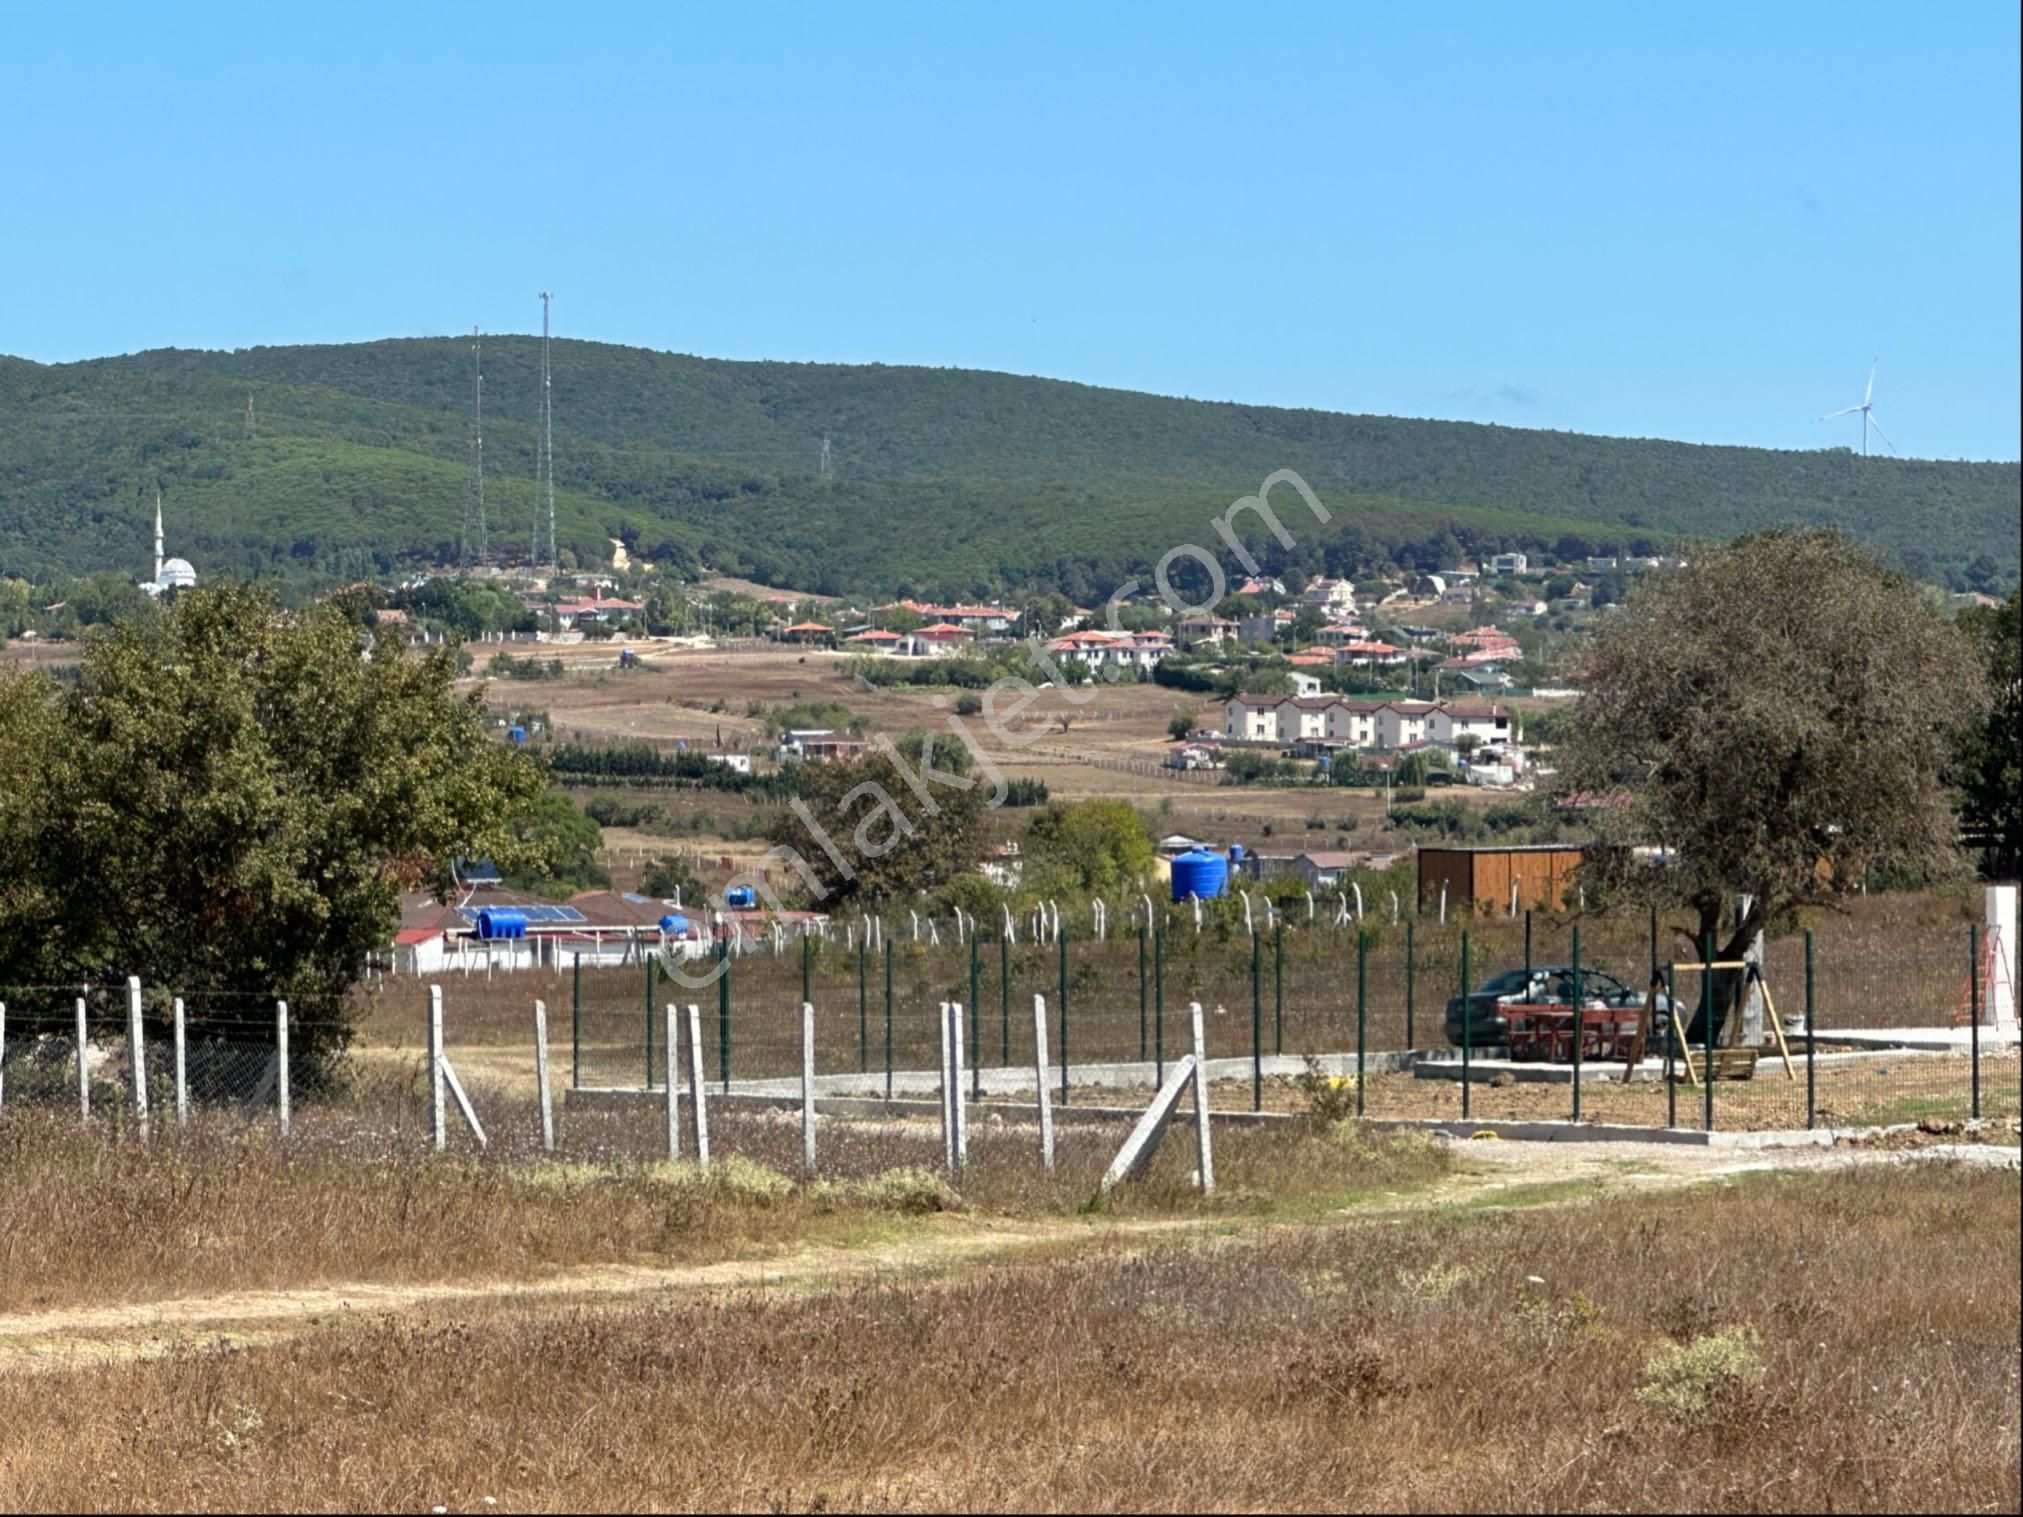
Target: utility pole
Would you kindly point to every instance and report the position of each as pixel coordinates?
(544, 503)
(826, 467)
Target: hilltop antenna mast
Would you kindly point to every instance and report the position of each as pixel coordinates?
(826, 467)
(474, 545)
(252, 429)
(544, 504)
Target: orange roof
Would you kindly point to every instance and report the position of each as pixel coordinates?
(943, 629)
(876, 636)
(810, 627)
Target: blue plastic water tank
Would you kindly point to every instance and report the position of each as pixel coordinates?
(741, 898)
(1235, 854)
(516, 735)
(1199, 872)
(674, 926)
(496, 924)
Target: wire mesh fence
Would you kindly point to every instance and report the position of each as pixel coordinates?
(1604, 1019)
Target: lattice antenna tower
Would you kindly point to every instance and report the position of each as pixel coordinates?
(473, 549)
(544, 469)
(826, 467)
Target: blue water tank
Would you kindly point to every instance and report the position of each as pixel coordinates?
(1235, 854)
(672, 926)
(741, 897)
(516, 735)
(496, 925)
(1199, 872)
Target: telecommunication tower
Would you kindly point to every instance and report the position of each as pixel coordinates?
(472, 550)
(544, 483)
(826, 467)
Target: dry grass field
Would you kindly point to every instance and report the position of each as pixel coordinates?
(1841, 1340)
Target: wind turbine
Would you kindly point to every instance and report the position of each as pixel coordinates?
(1867, 414)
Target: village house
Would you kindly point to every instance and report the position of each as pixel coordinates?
(1330, 595)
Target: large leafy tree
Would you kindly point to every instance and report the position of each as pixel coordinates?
(1778, 716)
(232, 798)
(1088, 847)
(1992, 752)
(884, 826)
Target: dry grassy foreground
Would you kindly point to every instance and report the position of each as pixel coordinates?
(1826, 1342)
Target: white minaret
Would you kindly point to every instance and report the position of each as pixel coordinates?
(158, 537)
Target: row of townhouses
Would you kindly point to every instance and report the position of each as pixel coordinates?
(1339, 721)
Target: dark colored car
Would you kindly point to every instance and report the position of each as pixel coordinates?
(1547, 985)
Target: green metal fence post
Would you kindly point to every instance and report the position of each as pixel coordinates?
(1256, 1023)
(1467, 1026)
(975, 1040)
(649, 1024)
(863, 1008)
(1707, 1032)
(1142, 990)
(888, 1019)
(1158, 1007)
(1061, 942)
(1654, 945)
(1527, 955)
(1362, 993)
(1974, 1011)
(807, 966)
(1579, 1012)
(1411, 964)
(1811, 1050)
(1004, 1001)
(576, 1024)
(723, 1015)
(1278, 988)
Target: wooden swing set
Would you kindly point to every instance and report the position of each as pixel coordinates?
(1730, 1061)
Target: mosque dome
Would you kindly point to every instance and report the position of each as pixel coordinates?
(176, 574)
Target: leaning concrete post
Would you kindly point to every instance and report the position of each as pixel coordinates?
(1204, 1156)
(541, 1077)
(671, 1058)
(808, 1085)
(182, 1067)
(281, 1062)
(697, 1100)
(136, 1052)
(438, 1131)
(83, 1069)
(1040, 1079)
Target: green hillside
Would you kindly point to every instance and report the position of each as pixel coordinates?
(946, 480)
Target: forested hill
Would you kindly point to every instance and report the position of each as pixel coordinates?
(355, 458)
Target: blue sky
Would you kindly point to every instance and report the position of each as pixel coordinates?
(1687, 221)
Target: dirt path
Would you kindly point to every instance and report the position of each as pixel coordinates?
(1490, 1175)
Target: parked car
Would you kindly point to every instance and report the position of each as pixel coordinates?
(1546, 985)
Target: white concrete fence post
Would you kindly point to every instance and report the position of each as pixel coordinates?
(182, 1065)
(83, 1069)
(438, 1129)
(1203, 1151)
(947, 1116)
(957, 1107)
(808, 1085)
(698, 1101)
(672, 1060)
(136, 1053)
(281, 1064)
(541, 1077)
(1040, 1082)
(3, 1056)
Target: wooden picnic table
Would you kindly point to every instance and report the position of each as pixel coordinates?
(1545, 1032)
